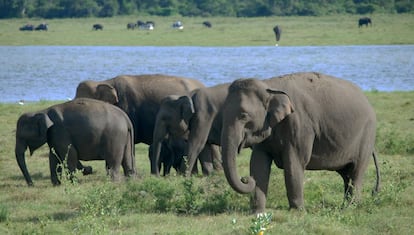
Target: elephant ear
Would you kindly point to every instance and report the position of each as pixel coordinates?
(279, 107)
(186, 107)
(43, 123)
(107, 93)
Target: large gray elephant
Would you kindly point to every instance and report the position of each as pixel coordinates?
(196, 118)
(82, 129)
(140, 97)
(299, 121)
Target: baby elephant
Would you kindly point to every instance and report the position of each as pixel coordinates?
(82, 129)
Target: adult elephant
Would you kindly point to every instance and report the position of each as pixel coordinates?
(364, 21)
(298, 121)
(82, 129)
(196, 118)
(140, 97)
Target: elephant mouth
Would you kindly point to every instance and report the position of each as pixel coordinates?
(241, 145)
(179, 132)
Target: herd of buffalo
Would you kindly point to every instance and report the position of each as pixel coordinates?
(149, 25)
(299, 121)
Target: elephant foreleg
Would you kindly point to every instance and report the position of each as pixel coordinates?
(216, 155)
(260, 165)
(294, 172)
(55, 169)
(206, 160)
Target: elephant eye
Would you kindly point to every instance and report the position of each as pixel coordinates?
(244, 116)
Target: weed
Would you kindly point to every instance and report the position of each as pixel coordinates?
(4, 213)
(101, 200)
(260, 223)
(190, 203)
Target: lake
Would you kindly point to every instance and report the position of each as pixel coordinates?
(33, 73)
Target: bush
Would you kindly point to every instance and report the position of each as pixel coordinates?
(210, 195)
(101, 201)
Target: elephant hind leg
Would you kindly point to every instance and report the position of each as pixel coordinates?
(346, 176)
(353, 177)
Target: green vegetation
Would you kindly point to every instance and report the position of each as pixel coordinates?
(387, 29)
(207, 205)
(241, 8)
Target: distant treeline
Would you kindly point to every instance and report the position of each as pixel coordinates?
(204, 8)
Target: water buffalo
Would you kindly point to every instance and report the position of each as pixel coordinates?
(364, 21)
(207, 24)
(42, 26)
(97, 27)
(27, 27)
(131, 25)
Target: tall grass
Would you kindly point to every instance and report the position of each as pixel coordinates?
(207, 205)
(296, 31)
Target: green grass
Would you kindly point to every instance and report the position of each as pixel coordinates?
(297, 31)
(176, 205)
(200, 205)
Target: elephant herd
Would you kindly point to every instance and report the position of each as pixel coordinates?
(299, 121)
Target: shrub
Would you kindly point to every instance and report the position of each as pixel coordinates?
(102, 200)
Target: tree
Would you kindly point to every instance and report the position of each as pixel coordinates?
(12, 8)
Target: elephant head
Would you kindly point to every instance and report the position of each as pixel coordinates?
(250, 112)
(172, 119)
(31, 132)
(97, 90)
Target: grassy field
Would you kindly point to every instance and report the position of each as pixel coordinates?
(207, 205)
(200, 205)
(297, 31)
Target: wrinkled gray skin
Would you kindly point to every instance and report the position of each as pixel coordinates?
(299, 121)
(198, 119)
(82, 129)
(140, 97)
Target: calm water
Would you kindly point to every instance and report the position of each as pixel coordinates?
(34, 73)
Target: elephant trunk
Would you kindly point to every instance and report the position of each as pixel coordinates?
(158, 136)
(231, 138)
(155, 158)
(19, 152)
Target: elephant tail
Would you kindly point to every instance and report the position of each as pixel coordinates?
(377, 184)
(130, 148)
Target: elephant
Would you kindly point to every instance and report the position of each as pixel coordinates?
(97, 27)
(196, 118)
(278, 32)
(140, 97)
(81, 129)
(364, 21)
(172, 154)
(298, 121)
